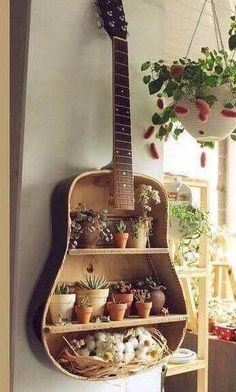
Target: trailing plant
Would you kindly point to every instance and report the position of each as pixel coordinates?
(92, 283)
(148, 283)
(192, 80)
(122, 287)
(84, 302)
(193, 222)
(97, 220)
(62, 289)
(138, 223)
(120, 227)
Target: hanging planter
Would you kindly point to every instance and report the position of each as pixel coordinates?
(201, 94)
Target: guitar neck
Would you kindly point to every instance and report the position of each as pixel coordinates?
(123, 186)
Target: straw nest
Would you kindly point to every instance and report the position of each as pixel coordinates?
(96, 368)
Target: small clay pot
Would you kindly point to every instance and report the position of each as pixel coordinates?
(117, 311)
(120, 239)
(83, 314)
(158, 299)
(125, 299)
(144, 309)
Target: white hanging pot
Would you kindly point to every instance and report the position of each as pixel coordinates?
(217, 127)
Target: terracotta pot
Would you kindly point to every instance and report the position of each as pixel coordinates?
(144, 309)
(117, 311)
(83, 314)
(158, 299)
(211, 323)
(88, 239)
(97, 299)
(61, 307)
(125, 299)
(120, 239)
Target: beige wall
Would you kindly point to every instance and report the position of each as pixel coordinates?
(68, 129)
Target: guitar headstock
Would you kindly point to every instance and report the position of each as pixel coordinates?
(113, 18)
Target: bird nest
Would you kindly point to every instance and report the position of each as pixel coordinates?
(96, 368)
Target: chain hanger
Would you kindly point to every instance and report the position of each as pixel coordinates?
(219, 40)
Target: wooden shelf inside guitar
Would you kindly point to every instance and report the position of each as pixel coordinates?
(117, 251)
(174, 369)
(129, 322)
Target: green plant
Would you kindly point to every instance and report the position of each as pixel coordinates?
(84, 301)
(147, 283)
(193, 222)
(92, 283)
(61, 288)
(140, 222)
(120, 227)
(97, 221)
(144, 196)
(193, 80)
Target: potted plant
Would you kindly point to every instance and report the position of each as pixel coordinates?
(201, 95)
(62, 304)
(117, 309)
(156, 290)
(122, 292)
(145, 197)
(186, 225)
(96, 289)
(120, 236)
(83, 310)
(88, 226)
(143, 303)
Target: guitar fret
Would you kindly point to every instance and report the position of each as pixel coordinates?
(119, 51)
(120, 44)
(121, 69)
(121, 80)
(121, 57)
(122, 111)
(122, 128)
(125, 136)
(122, 120)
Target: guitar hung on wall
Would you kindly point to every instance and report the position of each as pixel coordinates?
(67, 265)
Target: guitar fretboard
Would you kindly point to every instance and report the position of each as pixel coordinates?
(122, 145)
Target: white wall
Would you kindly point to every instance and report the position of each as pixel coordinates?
(68, 129)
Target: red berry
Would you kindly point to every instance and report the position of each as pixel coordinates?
(160, 103)
(176, 70)
(154, 151)
(149, 132)
(203, 159)
(229, 113)
(181, 110)
(203, 117)
(203, 106)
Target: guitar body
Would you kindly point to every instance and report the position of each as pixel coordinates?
(94, 189)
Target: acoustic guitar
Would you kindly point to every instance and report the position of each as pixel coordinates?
(93, 189)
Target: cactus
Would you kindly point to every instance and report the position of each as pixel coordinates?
(120, 227)
(62, 289)
(92, 283)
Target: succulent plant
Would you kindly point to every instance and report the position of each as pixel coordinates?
(92, 283)
(147, 283)
(146, 195)
(84, 301)
(120, 227)
(122, 287)
(61, 288)
(142, 296)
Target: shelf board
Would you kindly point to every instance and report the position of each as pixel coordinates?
(129, 322)
(194, 272)
(117, 251)
(174, 369)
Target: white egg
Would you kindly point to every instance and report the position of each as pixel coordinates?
(128, 357)
(120, 356)
(139, 331)
(141, 354)
(129, 347)
(134, 342)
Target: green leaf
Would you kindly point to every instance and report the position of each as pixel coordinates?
(232, 17)
(177, 132)
(207, 144)
(146, 79)
(155, 86)
(229, 105)
(156, 119)
(233, 135)
(145, 65)
(170, 88)
(232, 42)
(178, 94)
(210, 99)
(218, 69)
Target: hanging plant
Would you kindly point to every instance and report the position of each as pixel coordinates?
(202, 93)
